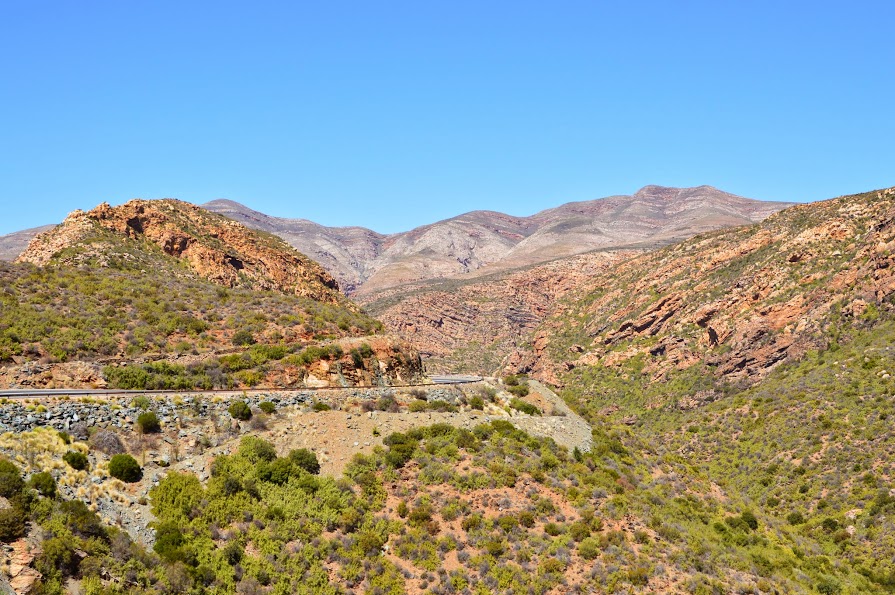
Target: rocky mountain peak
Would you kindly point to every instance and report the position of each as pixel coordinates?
(214, 247)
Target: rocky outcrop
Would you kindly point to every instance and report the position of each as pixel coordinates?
(740, 302)
(19, 577)
(214, 247)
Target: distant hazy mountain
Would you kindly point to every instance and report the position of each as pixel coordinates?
(365, 262)
(13, 244)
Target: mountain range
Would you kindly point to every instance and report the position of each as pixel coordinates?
(365, 262)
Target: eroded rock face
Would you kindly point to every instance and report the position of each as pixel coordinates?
(216, 248)
(472, 325)
(741, 301)
(20, 576)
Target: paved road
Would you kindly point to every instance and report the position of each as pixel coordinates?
(25, 393)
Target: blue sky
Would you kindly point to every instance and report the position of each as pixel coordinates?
(394, 114)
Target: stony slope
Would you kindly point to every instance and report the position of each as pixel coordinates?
(367, 262)
(760, 358)
(346, 252)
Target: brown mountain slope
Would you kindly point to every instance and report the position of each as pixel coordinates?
(738, 302)
(366, 262)
(11, 245)
(218, 249)
(343, 251)
(470, 324)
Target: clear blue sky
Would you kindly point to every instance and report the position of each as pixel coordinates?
(393, 114)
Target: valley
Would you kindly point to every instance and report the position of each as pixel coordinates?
(697, 402)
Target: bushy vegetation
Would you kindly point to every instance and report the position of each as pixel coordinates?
(76, 460)
(240, 410)
(61, 313)
(125, 467)
(149, 423)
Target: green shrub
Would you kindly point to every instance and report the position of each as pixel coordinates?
(64, 436)
(795, 518)
(305, 459)
(11, 482)
(82, 521)
(589, 548)
(476, 403)
(125, 468)
(243, 337)
(239, 410)
(320, 406)
(256, 449)
(12, 523)
(519, 390)
(141, 402)
(149, 423)
(168, 540)
(749, 519)
(402, 509)
(527, 408)
(267, 407)
(44, 483)
(277, 471)
(75, 459)
(57, 556)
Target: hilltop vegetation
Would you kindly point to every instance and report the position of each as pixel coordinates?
(158, 294)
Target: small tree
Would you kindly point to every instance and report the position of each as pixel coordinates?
(126, 468)
(239, 410)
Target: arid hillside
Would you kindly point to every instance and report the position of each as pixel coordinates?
(13, 244)
(162, 294)
(738, 302)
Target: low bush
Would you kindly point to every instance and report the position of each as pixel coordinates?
(75, 459)
(44, 483)
(107, 442)
(320, 406)
(239, 410)
(267, 407)
(149, 423)
(305, 459)
(518, 390)
(126, 468)
(524, 407)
